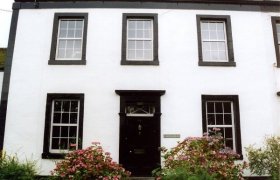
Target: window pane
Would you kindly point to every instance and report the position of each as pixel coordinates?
(73, 144)
(55, 143)
(220, 26)
(73, 118)
(212, 26)
(228, 120)
(228, 133)
(61, 53)
(131, 24)
(79, 24)
(61, 44)
(205, 35)
(148, 25)
(57, 105)
(219, 119)
(131, 54)
(204, 26)
(227, 107)
(63, 143)
(78, 44)
(70, 44)
(56, 117)
(71, 33)
(65, 117)
(148, 54)
(71, 24)
(66, 106)
(139, 44)
(229, 143)
(56, 131)
(62, 33)
(213, 35)
(147, 34)
(140, 34)
(78, 33)
(219, 107)
(221, 35)
(221, 46)
(211, 119)
(222, 55)
(207, 46)
(147, 45)
(210, 107)
(131, 45)
(215, 55)
(63, 24)
(139, 54)
(140, 24)
(74, 106)
(73, 131)
(131, 33)
(206, 55)
(64, 131)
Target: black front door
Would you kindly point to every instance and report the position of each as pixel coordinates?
(141, 140)
(140, 130)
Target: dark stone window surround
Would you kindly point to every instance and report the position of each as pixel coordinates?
(58, 16)
(227, 21)
(235, 100)
(154, 17)
(275, 20)
(50, 97)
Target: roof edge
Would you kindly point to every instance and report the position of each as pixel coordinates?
(245, 2)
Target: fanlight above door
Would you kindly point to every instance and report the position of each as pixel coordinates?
(140, 109)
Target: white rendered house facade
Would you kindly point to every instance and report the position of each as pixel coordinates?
(138, 75)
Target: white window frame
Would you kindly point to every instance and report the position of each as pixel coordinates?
(58, 38)
(214, 40)
(64, 124)
(140, 39)
(232, 126)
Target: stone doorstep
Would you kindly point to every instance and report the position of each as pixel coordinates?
(141, 178)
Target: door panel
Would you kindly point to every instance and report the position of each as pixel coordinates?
(140, 145)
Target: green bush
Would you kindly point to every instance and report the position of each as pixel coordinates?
(266, 160)
(180, 173)
(11, 168)
(200, 158)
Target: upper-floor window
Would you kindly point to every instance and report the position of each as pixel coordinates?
(63, 125)
(215, 41)
(222, 112)
(69, 39)
(140, 39)
(276, 34)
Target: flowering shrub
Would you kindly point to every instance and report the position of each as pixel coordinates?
(266, 160)
(201, 154)
(90, 163)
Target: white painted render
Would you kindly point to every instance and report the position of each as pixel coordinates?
(255, 79)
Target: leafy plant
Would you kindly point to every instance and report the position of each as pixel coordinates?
(11, 168)
(89, 163)
(180, 173)
(204, 156)
(266, 160)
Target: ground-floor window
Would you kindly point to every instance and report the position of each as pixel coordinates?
(222, 112)
(63, 125)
